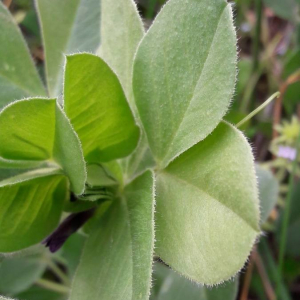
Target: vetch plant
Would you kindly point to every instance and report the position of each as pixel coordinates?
(135, 149)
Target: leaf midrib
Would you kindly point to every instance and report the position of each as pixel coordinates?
(196, 85)
(211, 197)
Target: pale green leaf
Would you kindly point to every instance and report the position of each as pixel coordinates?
(121, 32)
(117, 259)
(19, 273)
(169, 285)
(207, 208)
(30, 208)
(18, 75)
(97, 107)
(139, 196)
(4, 298)
(184, 74)
(67, 26)
(37, 129)
(268, 191)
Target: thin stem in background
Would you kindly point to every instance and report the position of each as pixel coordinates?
(258, 109)
(256, 43)
(295, 77)
(273, 269)
(7, 3)
(264, 277)
(151, 9)
(58, 273)
(52, 286)
(248, 277)
(286, 214)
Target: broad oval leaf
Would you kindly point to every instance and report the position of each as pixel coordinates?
(97, 107)
(18, 75)
(121, 31)
(37, 129)
(184, 74)
(117, 259)
(30, 207)
(67, 26)
(169, 285)
(207, 208)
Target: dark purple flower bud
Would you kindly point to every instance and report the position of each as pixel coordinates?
(69, 226)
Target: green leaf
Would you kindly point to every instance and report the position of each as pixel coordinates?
(117, 259)
(98, 176)
(268, 192)
(169, 285)
(121, 32)
(184, 74)
(207, 208)
(4, 298)
(287, 9)
(18, 75)
(30, 207)
(37, 129)
(67, 26)
(98, 109)
(19, 273)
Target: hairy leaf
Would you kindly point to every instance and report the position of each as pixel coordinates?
(18, 75)
(19, 273)
(207, 208)
(268, 191)
(30, 207)
(117, 259)
(67, 26)
(121, 32)
(98, 109)
(169, 285)
(37, 129)
(184, 74)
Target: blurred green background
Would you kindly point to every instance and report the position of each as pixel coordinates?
(269, 61)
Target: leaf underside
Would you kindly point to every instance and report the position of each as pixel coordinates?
(184, 74)
(18, 75)
(118, 253)
(207, 208)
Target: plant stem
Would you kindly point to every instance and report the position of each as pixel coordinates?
(258, 109)
(248, 277)
(7, 3)
(256, 44)
(52, 286)
(58, 272)
(273, 270)
(151, 9)
(286, 215)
